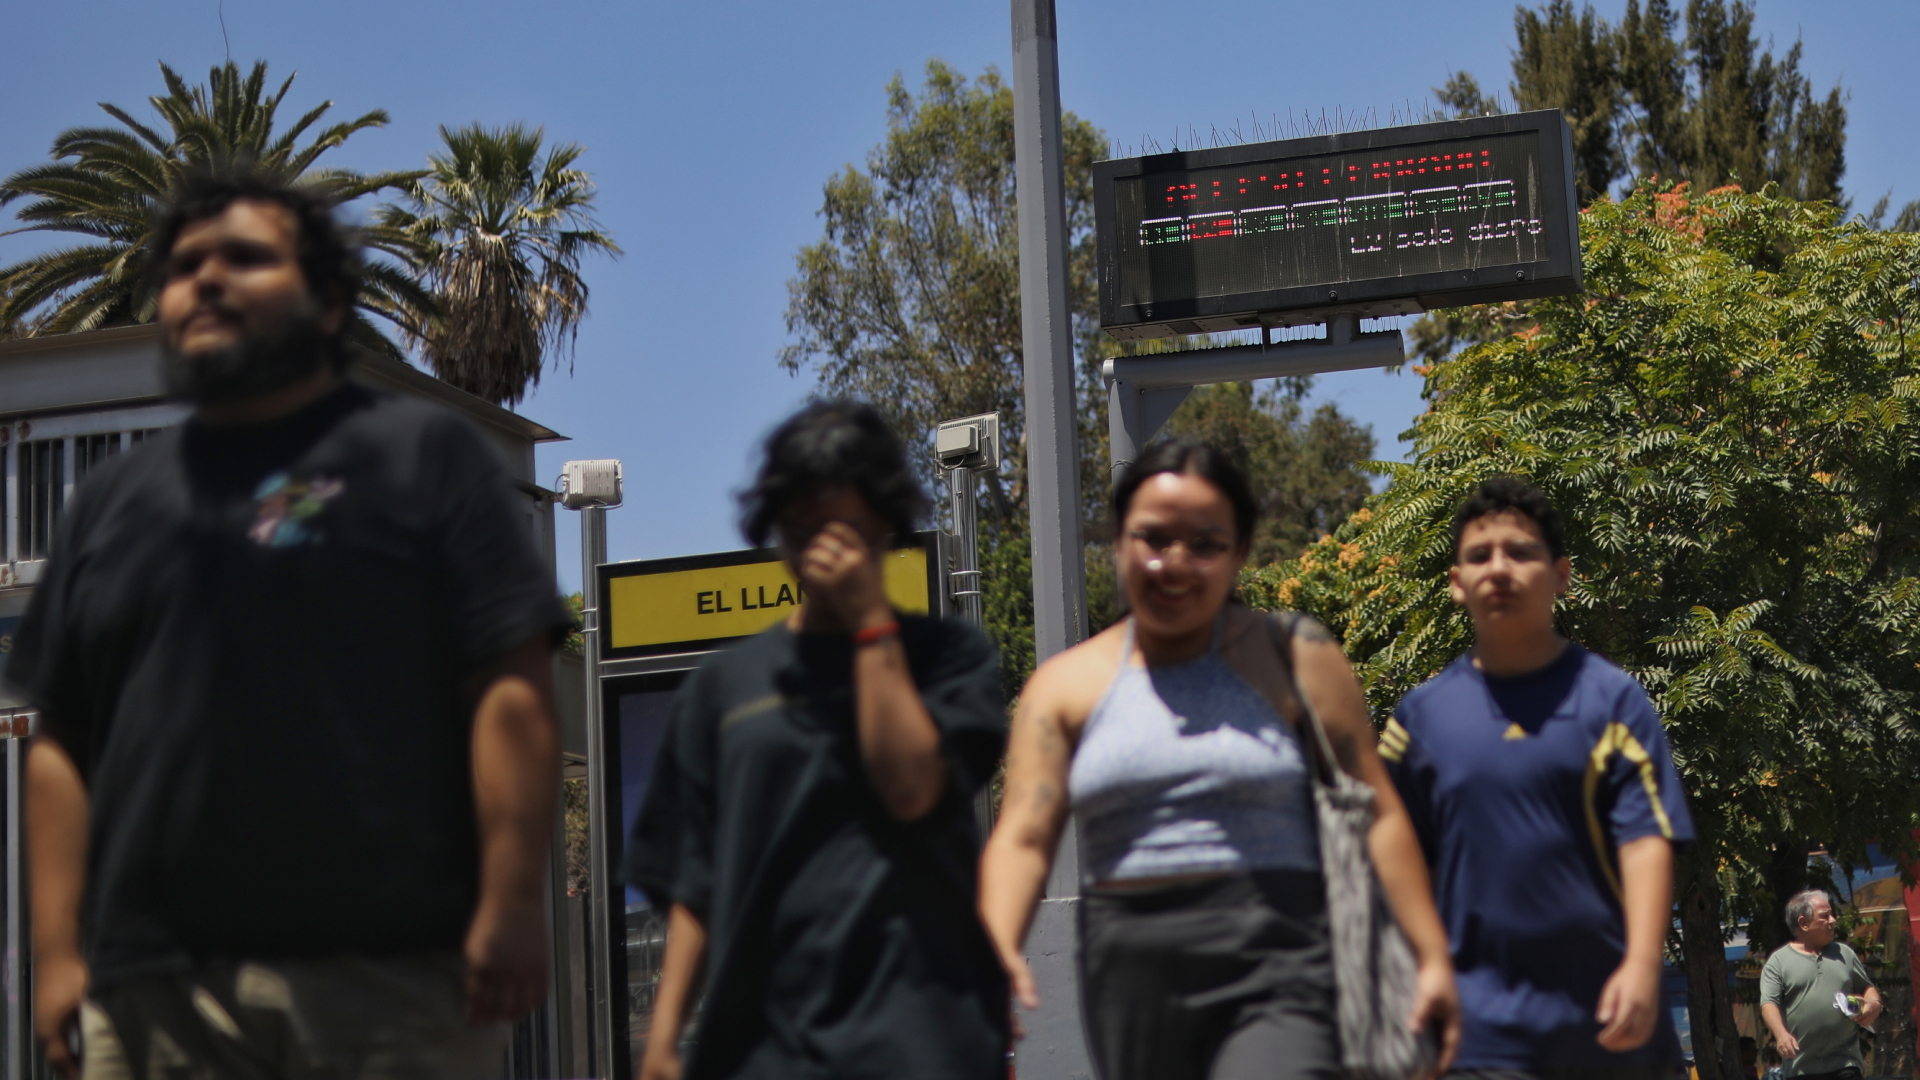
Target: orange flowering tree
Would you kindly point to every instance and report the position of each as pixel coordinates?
(1729, 417)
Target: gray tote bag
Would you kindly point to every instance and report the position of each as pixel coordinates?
(1374, 968)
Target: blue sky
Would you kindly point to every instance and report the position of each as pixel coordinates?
(710, 128)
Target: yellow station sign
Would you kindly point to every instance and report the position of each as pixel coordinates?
(647, 610)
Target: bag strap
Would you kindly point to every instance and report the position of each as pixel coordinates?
(1280, 629)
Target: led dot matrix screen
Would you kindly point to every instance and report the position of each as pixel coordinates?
(1478, 206)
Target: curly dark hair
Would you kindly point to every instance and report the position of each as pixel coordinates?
(1194, 458)
(328, 253)
(831, 444)
(1502, 493)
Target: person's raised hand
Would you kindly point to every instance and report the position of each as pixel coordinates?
(1436, 1005)
(59, 984)
(506, 953)
(1629, 1006)
(840, 572)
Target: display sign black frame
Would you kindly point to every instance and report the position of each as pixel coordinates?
(1559, 273)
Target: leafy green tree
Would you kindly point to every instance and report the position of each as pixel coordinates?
(1653, 61)
(1462, 97)
(1568, 61)
(1705, 104)
(108, 183)
(1908, 220)
(1303, 467)
(911, 300)
(1730, 417)
(1649, 98)
(498, 230)
(1732, 112)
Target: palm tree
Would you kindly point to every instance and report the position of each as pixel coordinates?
(108, 183)
(500, 231)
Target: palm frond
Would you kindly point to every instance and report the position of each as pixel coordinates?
(51, 273)
(363, 333)
(500, 229)
(107, 183)
(332, 137)
(284, 144)
(146, 134)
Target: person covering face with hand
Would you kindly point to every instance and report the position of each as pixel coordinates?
(1539, 780)
(289, 804)
(809, 824)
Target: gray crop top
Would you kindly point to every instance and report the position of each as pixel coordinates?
(1186, 769)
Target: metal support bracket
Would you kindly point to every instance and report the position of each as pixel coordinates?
(1143, 391)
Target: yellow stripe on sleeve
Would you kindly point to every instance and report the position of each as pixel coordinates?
(1616, 739)
(1394, 741)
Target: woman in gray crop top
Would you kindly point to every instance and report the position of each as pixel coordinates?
(1170, 738)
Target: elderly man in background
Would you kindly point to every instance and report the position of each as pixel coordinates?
(1815, 995)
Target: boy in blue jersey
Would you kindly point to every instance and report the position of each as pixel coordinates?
(1540, 783)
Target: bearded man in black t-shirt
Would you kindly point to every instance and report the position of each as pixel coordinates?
(290, 796)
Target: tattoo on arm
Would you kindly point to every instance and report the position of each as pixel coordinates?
(1348, 740)
(1048, 740)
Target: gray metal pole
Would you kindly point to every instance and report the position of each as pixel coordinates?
(1054, 1048)
(19, 994)
(609, 1020)
(1053, 467)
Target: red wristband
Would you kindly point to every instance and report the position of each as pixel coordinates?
(871, 634)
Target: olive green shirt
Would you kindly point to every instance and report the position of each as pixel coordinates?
(1803, 988)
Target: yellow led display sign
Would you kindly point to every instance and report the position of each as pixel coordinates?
(682, 605)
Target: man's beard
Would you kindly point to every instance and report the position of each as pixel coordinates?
(259, 364)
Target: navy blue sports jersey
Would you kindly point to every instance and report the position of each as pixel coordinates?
(1522, 790)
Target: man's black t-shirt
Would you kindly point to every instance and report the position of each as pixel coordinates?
(253, 642)
(845, 943)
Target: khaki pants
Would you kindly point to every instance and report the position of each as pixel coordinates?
(346, 1018)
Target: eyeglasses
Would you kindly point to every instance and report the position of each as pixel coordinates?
(1200, 549)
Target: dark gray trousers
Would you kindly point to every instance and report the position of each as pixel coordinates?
(1228, 978)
